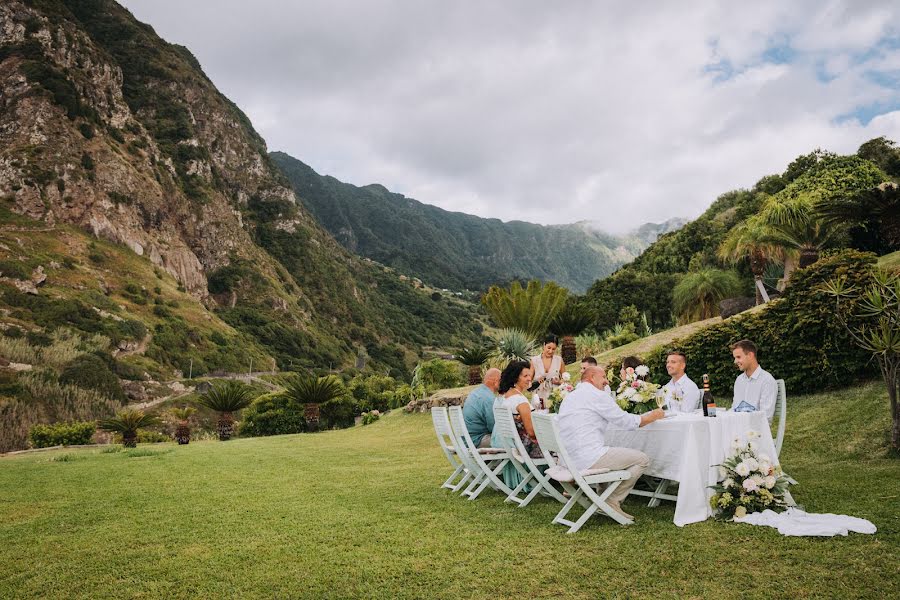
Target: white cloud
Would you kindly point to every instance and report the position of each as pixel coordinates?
(544, 112)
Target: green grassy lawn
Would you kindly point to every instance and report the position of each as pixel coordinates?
(358, 513)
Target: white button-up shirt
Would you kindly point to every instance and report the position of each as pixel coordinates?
(584, 416)
(758, 390)
(687, 390)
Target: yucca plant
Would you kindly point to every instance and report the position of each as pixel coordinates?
(590, 344)
(183, 424)
(226, 399)
(568, 323)
(127, 422)
(313, 391)
(474, 358)
(512, 344)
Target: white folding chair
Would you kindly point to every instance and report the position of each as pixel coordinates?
(781, 413)
(585, 482)
(445, 440)
(485, 463)
(529, 468)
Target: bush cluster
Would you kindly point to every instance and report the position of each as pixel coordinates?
(273, 414)
(90, 372)
(62, 434)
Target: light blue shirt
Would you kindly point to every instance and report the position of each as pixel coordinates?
(478, 412)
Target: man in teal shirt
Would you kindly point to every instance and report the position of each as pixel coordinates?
(478, 411)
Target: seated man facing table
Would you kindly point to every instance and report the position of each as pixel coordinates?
(682, 394)
(584, 417)
(754, 389)
(478, 410)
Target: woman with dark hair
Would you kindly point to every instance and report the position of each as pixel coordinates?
(629, 362)
(514, 380)
(546, 368)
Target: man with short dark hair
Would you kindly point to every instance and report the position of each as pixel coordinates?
(682, 394)
(587, 361)
(754, 389)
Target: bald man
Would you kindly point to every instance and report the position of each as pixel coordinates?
(585, 416)
(478, 411)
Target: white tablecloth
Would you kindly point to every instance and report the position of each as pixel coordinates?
(687, 448)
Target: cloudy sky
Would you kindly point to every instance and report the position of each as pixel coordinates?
(550, 112)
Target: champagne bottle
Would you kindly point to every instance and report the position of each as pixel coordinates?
(709, 404)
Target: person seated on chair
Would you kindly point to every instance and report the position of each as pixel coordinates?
(478, 410)
(682, 394)
(755, 388)
(514, 380)
(584, 417)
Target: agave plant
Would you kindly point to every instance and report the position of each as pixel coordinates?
(474, 358)
(127, 422)
(313, 391)
(226, 399)
(590, 344)
(529, 309)
(568, 323)
(512, 344)
(183, 426)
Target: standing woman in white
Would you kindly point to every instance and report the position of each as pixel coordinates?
(546, 369)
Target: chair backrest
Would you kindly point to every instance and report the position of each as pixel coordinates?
(781, 411)
(505, 428)
(547, 433)
(462, 439)
(442, 429)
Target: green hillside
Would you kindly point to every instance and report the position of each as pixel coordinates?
(359, 513)
(451, 249)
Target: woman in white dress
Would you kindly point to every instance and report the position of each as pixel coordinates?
(546, 369)
(514, 380)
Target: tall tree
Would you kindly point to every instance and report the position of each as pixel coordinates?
(752, 240)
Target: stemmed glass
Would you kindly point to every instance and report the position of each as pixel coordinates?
(660, 398)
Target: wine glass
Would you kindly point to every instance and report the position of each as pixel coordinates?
(660, 398)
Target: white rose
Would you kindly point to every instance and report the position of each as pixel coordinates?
(765, 467)
(742, 469)
(764, 458)
(770, 482)
(642, 370)
(750, 485)
(567, 376)
(728, 483)
(629, 392)
(751, 463)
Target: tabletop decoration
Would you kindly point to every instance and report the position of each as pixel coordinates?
(635, 395)
(751, 483)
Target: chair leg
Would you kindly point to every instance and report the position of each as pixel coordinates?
(514, 495)
(449, 483)
(660, 489)
(583, 519)
(465, 478)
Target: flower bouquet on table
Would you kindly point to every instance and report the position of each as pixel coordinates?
(751, 484)
(559, 393)
(635, 395)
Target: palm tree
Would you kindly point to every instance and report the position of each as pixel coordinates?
(698, 294)
(795, 226)
(752, 239)
(226, 399)
(512, 344)
(876, 210)
(312, 391)
(183, 427)
(530, 308)
(127, 422)
(569, 322)
(474, 358)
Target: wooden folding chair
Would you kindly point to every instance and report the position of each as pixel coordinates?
(580, 485)
(445, 440)
(485, 463)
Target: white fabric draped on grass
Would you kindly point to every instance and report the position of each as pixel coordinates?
(796, 522)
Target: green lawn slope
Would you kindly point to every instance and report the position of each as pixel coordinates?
(358, 513)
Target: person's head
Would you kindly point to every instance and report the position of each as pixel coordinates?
(629, 362)
(492, 379)
(517, 374)
(744, 353)
(676, 363)
(549, 345)
(596, 376)
(588, 361)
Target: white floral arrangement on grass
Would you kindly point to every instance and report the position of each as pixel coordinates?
(559, 393)
(751, 483)
(635, 395)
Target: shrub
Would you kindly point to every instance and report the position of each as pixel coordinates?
(338, 413)
(375, 392)
(62, 434)
(89, 372)
(13, 269)
(273, 414)
(437, 374)
(798, 337)
(370, 417)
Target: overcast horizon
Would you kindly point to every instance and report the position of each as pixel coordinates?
(550, 113)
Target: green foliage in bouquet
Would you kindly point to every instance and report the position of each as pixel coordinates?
(752, 483)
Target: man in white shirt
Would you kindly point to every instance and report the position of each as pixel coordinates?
(584, 416)
(754, 386)
(682, 394)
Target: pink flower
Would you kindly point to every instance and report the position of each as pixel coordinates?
(636, 384)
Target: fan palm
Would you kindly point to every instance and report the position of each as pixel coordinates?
(876, 210)
(569, 322)
(752, 239)
(512, 344)
(530, 309)
(795, 226)
(313, 391)
(698, 294)
(127, 422)
(183, 426)
(226, 399)
(474, 358)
